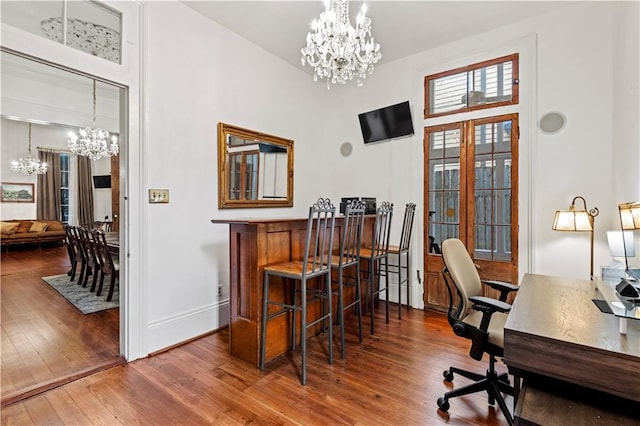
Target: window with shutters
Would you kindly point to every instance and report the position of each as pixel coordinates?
(483, 85)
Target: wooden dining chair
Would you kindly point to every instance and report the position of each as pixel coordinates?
(376, 256)
(348, 259)
(92, 257)
(314, 264)
(110, 264)
(73, 250)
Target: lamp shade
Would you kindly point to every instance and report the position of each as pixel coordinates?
(630, 215)
(572, 221)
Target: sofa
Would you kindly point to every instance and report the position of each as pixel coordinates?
(31, 231)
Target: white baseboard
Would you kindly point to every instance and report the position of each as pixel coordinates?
(172, 330)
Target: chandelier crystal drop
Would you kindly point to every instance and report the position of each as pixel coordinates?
(29, 165)
(93, 142)
(336, 50)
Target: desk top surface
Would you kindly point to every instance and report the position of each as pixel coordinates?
(562, 309)
(554, 329)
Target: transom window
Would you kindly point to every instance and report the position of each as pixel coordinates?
(87, 25)
(483, 85)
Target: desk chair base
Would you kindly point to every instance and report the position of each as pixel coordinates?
(493, 383)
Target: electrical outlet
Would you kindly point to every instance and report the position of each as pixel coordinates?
(220, 290)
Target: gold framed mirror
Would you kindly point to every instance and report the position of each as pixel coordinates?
(254, 169)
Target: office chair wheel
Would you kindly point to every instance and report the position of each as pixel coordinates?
(448, 375)
(443, 404)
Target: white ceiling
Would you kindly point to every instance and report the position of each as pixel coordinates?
(402, 28)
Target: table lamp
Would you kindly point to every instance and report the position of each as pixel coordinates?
(577, 221)
(629, 220)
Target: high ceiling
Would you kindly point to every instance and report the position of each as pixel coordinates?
(402, 28)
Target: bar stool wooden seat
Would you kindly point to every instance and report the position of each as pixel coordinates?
(400, 251)
(315, 264)
(348, 258)
(377, 256)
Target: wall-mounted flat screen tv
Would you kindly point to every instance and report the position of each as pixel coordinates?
(103, 181)
(386, 123)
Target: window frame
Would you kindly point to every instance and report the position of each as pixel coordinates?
(515, 92)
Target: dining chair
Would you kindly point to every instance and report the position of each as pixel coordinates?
(109, 265)
(402, 251)
(348, 258)
(73, 250)
(376, 256)
(92, 262)
(314, 264)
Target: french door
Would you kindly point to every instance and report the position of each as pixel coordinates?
(471, 193)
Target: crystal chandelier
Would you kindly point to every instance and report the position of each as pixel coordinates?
(29, 165)
(93, 141)
(336, 50)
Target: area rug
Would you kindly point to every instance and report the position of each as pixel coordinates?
(80, 297)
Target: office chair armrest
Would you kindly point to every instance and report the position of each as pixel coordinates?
(502, 287)
(489, 304)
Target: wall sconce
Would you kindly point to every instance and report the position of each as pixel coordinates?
(629, 220)
(577, 221)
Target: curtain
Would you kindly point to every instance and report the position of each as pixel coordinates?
(85, 191)
(48, 193)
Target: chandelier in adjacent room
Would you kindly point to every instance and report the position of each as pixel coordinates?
(336, 50)
(93, 141)
(29, 165)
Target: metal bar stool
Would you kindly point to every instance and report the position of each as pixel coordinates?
(315, 264)
(349, 258)
(377, 255)
(402, 250)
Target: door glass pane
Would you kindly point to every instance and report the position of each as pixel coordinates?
(234, 176)
(444, 185)
(492, 190)
(251, 175)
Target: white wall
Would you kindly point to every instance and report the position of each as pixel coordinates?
(626, 109)
(198, 73)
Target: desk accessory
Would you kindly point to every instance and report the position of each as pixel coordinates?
(577, 220)
(629, 220)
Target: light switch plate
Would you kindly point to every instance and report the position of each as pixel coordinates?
(157, 196)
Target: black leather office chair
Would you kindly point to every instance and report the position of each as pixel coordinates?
(479, 319)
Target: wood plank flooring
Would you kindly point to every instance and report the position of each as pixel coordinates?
(45, 339)
(392, 378)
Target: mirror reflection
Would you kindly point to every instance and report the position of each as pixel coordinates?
(255, 169)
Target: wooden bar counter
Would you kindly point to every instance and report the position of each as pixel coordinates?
(254, 244)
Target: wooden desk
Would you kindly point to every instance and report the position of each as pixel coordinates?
(255, 243)
(554, 329)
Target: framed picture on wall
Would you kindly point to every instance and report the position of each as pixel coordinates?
(17, 192)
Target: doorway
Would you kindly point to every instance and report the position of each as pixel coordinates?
(46, 341)
(471, 193)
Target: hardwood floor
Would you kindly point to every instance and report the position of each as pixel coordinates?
(45, 339)
(393, 378)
